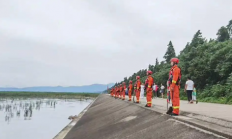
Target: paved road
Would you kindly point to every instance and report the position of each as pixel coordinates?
(109, 118)
(219, 111)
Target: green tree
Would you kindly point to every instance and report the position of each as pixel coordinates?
(197, 39)
(209, 63)
(156, 68)
(170, 53)
(223, 34)
(229, 27)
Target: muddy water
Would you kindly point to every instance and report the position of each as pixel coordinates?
(46, 121)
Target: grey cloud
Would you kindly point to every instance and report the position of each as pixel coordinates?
(83, 42)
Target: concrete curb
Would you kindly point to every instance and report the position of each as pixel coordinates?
(65, 130)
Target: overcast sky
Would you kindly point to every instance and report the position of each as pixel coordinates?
(81, 42)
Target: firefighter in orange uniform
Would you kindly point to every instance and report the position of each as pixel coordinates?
(130, 90)
(120, 91)
(149, 90)
(124, 91)
(134, 91)
(138, 88)
(111, 92)
(174, 83)
(117, 93)
(114, 91)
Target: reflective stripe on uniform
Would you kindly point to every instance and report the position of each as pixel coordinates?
(175, 107)
(173, 81)
(149, 102)
(149, 86)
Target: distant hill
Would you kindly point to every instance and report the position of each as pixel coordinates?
(94, 88)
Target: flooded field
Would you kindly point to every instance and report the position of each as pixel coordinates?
(35, 118)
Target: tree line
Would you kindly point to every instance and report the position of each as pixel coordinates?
(207, 62)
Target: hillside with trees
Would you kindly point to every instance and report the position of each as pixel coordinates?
(207, 62)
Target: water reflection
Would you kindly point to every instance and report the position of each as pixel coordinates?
(29, 117)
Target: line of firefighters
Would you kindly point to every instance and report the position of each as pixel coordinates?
(173, 84)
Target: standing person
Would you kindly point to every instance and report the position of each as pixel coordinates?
(112, 92)
(130, 90)
(162, 90)
(168, 93)
(116, 92)
(194, 95)
(134, 91)
(142, 91)
(149, 89)
(123, 91)
(174, 83)
(189, 85)
(138, 89)
(154, 88)
(156, 91)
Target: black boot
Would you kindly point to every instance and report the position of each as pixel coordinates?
(173, 114)
(169, 110)
(147, 106)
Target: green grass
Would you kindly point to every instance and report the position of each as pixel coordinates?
(47, 95)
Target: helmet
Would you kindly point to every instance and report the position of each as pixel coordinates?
(175, 60)
(130, 81)
(149, 72)
(137, 77)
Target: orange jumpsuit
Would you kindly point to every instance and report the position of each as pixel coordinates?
(121, 89)
(138, 87)
(117, 93)
(175, 88)
(123, 92)
(130, 91)
(149, 90)
(111, 92)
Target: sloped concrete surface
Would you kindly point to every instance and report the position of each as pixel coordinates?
(110, 118)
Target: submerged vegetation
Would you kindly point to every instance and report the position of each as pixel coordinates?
(47, 95)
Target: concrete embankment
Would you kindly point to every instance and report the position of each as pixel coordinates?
(109, 118)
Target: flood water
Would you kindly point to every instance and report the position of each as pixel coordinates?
(38, 119)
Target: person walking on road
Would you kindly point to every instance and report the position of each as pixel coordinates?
(174, 83)
(162, 90)
(189, 85)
